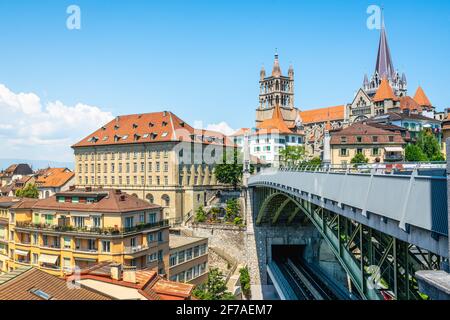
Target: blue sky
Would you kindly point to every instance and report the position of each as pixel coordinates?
(201, 59)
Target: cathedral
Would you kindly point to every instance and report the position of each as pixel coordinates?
(277, 90)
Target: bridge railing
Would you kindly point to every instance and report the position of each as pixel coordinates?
(422, 168)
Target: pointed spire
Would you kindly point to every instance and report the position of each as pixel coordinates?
(384, 66)
(366, 81)
(262, 73)
(404, 78)
(276, 71)
(421, 98)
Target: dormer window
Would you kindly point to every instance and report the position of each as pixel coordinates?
(116, 138)
(105, 138)
(343, 139)
(93, 139)
(359, 139)
(145, 136)
(164, 123)
(103, 128)
(164, 134)
(151, 124)
(154, 135)
(116, 127)
(125, 137)
(135, 126)
(136, 137)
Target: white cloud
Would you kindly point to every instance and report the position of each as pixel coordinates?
(33, 130)
(222, 127)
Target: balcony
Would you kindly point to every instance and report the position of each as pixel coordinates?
(92, 231)
(87, 250)
(135, 249)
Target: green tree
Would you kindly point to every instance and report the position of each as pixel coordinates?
(413, 153)
(359, 158)
(292, 155)
(29, 191)
(244, 279)
(215, 287)
(429, 145)
(230, 171)
(232, 210)
(200, 214)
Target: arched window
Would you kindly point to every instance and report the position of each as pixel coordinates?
(150, 198)
(165, 200)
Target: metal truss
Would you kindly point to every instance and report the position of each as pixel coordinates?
(378, 264)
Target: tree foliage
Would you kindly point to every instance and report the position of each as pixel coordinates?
(29, 191)
(244, 279)
(214, 288)
(200, 214)
(413, 153)
(232, 210)
(359, 158)
(292, 155)
(230, 171)
(429, 145)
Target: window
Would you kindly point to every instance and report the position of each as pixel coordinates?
(189, 275)
(66, 264)
(166, 180)
(149, 167)
(196, 251)
(152, 217)
(343, 152)
(112, 167)
(35, 239)
(181, 256)
(157, 166)
(120, 167)
(67, 243)
(91, 245)
(152, 257)
(142, 167)
(133, 242)
(181, 276)
(375, 151)
(202, 249)
(106, 246)
(160, 236)
(173, 259)
(141, 218)
(359, 139)
(166, 167)
(36, 218)
(150, 237)
(343, 139)
(160, 256)
(78, 222)
(135, 167)
(129, 222)
(374, 139)
(96, 222)
(49, 219)
(391, 138)
(35, 259)
(359, 151)
(189, 254)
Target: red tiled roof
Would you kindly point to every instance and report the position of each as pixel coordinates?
(149, 127)
(54, 177)
(409, 103)
(276, 123)
(240, 132)
(148, 283)
(112, 201)
(335, 113)
(21, 285)
(421, 98)
(366, 132)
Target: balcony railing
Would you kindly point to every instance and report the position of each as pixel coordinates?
(135, 249)
(89, 230)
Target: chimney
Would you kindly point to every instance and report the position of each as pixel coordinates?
(129, 274)
(115, 271)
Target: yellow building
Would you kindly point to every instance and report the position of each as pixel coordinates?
(376, 144)
(5, 204)
(84, 227)
(157, 157)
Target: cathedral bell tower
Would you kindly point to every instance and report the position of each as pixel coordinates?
(276, 90)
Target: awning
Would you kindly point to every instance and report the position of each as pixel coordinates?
(85, 259)
(46, 258)
(393, 149)
(22, 253)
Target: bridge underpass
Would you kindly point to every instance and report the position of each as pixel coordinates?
(378, 256)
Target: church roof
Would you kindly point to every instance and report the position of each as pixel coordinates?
(275, 123)
(384, 92)
(421, 98)
(323, 114)
(384, 66)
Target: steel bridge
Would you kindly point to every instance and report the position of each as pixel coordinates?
(381, 224)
